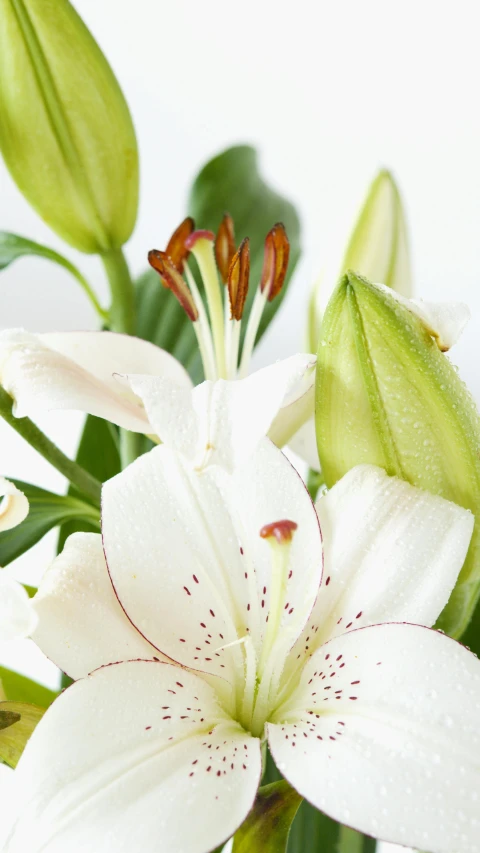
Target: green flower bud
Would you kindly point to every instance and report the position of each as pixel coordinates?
(386, 395)
(377, 249)
(65, 130)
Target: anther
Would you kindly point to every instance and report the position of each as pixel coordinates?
(275, 261)
(172, 279)
(238, 278)
(176, 249)
(225, 246)
(195, 236)
(282, 531)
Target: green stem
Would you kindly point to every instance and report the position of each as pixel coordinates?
(123, 320)
(75, 474)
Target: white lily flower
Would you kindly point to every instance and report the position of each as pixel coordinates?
(142, 388)
(210, 627)
(17, 617)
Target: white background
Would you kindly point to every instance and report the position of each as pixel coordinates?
(329, 92)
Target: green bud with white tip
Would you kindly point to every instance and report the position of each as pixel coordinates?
(377, 249)
(387, 395)
(65, 129)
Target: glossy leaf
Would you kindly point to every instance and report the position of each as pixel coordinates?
(387, 396)
(17, 722)
(267, 827)
(47, 510)
(19, 688)
(13, 247)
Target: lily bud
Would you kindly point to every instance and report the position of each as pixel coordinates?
(377, 249)
(65, 129)
(387, 395)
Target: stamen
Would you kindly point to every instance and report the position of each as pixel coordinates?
(176, 249)
(200, 243)
(225, 246)
(172, 279)
(275, 263)
(204, 334)
(279, 536)
(238, 278)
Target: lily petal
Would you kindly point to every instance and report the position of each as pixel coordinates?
(221, 423)
(444, 321)
(198, 584)
(392, 553)
(75, 370)
(13, 506)
(138, 756)
(397, 756)
(17, 617)
(81, 625)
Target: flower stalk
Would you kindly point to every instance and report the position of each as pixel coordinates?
(74, 473)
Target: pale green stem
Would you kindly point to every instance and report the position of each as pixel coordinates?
(202, 329)
(259, 303)
(123, 320)
(204, 255)
(75, 474)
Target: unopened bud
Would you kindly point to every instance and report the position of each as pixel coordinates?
(386, 395)
(65, 129)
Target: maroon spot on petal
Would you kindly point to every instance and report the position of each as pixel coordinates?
(187, 590)
(241, 549)
(195, 579)
(358, 615)
(355, 682)
(147, 728)
(327, 581)
(212, 613)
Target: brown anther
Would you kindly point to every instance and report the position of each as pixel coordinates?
(238, 278)
(172, 279)
(275, 261)
(282, 530)
(225, 246)
(176, 250)
(202, 234)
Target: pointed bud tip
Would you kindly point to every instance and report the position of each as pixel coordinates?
(282, 531)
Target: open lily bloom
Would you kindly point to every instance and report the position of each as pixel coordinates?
(17, 617)
(142, 388)
(213, 618)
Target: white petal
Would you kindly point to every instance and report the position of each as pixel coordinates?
(392, 553)
(304, 444)
(401, 761)
(187, 561)
(13, 505)
(136, 757)
(444, 321)
(17, 617)
(75, 371)
(221, 423)
(81, 625)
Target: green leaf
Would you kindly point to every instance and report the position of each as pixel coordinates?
(17, 722)
(13, 247)
(387, 396)
(232, 182)
(98, 453)
(47, 511)
(267, 827)
(19, 688)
